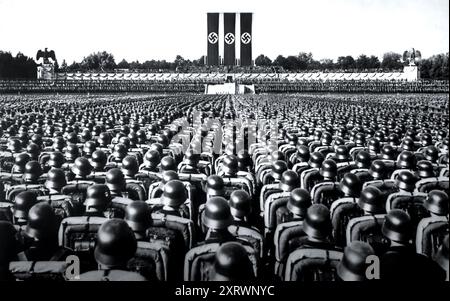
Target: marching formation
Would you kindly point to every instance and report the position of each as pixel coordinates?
(205, 188)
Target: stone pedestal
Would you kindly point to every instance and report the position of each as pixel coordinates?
(411, 73)
(46, 72)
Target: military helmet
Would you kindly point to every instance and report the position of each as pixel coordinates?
(289, 180)
(20, 161)
(328, 169)
(431, 153)
(342, 153)
(116, 243)
(277, 155)
(215, 186)
(299, 201)
(303, 153)
(316, 159)
(217, 214)
(437, 202)
(56, 179)
(23, 201)
(89, 147)
(56, 159)
(42, 223)
(353, 264)
(232, 263)
(406, 181)
(351, 185)
(152, 158)
(98, 160)
(278, 167)
(168, 163)
(98, 196)
(72, 152)
(317, 223)
(362, 159)
(425, 169)
(33, 150)
(138, 216)
(174, 194)
(371, 200)
(240, 204)
(115, 180)
(397, 226)
(230, 164)
(120, 151)
(130, 166)
(378, 169)
(244, 160)
(82, 167)
(406, 160)
(32, 172)
(388, 152)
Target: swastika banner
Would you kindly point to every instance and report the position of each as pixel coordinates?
(229, 39)
(246, 39)
(212, 38)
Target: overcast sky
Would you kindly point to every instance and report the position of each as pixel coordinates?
(143, 29)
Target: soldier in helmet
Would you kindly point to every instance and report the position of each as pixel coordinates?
(22, 204)
(138, 218)
(354, 264)
(116, 245)
(241, 208)
(232, 263)
(296, 207)
(56, 180)
(317, 227)
(115, 180)
(173, 200)
(214, 186)
(41, 235)
(81, 170)
(215, 219)
(401, 261)
(98, 200)
(32, 173)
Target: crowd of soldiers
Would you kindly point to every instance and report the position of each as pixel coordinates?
(196, 187)
(266, 85)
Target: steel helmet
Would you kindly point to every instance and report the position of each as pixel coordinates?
(299, 201)
(116, 243)
(397, 226)
(56, 179)
(215, 186)
(353, 265)
(23, 201)
(289, 180)
(115, 180)
(240, 204)
(232, 263)
(217, 214)
(98, 196)
(42, 223)
(138, 216)
(317, 223)
(174, 194)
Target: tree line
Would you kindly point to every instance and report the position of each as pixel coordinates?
(434, 67)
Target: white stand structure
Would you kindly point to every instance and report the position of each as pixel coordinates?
(229, 89)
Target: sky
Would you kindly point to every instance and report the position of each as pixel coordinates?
(143, 30)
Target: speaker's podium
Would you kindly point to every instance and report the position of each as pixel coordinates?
(230, 87)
